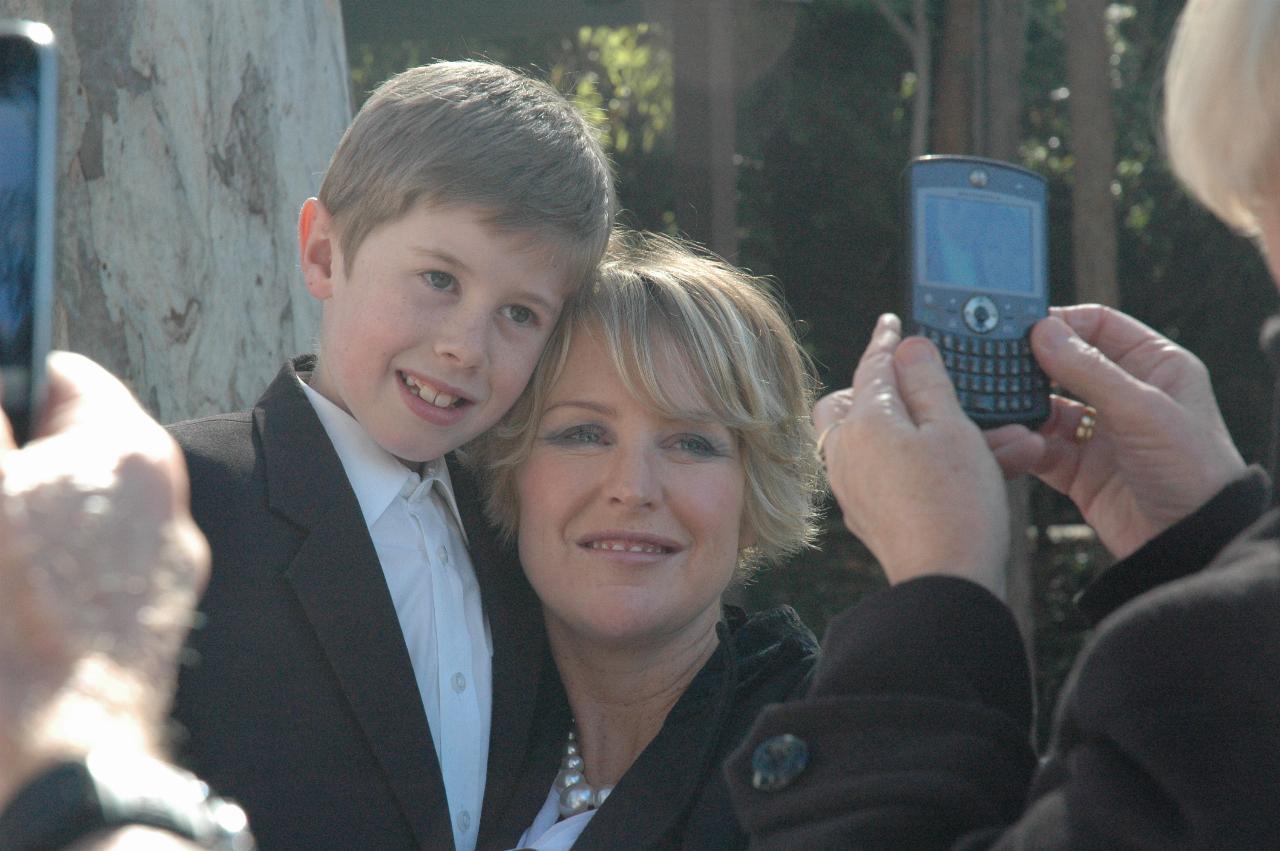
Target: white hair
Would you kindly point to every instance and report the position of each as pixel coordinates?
(1222, 105)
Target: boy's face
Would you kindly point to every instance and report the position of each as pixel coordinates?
(435, 330)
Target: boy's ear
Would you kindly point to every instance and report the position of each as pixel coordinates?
(317, 248)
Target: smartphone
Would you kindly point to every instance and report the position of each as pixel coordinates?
(28, 150)
(978, 280)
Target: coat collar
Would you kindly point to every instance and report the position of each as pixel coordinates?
(759, 655)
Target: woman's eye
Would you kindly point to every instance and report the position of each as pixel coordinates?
(438, 280)
(696, 444)
(578, 435)
(520, 314)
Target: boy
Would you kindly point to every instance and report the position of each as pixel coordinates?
(343, 680)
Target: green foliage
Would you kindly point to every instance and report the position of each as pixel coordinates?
(628, 76)
(623, 79)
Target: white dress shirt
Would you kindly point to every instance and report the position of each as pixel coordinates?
(418, 536)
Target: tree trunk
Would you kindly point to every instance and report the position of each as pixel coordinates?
(1004, 58)
(705, 123)
(190, 134)
(955, 80)
(997, 134)
(1093, 139)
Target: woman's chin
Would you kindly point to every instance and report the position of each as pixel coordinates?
(630, 623)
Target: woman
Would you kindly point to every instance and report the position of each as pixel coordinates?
(1167, 733)
(662, 450)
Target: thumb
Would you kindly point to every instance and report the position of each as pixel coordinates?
(923, 382)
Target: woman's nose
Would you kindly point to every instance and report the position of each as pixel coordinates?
(633, 480)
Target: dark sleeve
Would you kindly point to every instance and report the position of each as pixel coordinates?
(1183, 548)
(1168, 735)
(917, 727)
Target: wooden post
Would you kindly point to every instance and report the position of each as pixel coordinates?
(705, 123)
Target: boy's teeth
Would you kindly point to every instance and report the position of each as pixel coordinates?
(429, 395)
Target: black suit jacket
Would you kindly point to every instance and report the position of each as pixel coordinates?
(298, 698)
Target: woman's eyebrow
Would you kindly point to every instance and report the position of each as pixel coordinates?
(585, 404)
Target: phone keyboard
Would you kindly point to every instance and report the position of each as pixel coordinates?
(991, 376)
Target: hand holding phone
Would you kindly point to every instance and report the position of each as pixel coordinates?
(978, 280)
(28, 149)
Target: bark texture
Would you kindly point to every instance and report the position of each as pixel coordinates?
(190, 134)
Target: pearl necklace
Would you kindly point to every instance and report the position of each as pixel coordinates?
(576, 794)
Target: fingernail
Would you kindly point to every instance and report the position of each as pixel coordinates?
(1053, 333)
(916, 351)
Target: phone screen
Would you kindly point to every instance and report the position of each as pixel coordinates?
(19, 92)
(978, 244)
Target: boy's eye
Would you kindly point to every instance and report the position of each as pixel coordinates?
(438, 280)
(520, 314)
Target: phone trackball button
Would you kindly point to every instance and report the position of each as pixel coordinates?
(981, 314)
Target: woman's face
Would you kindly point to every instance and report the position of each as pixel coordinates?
(630, 522)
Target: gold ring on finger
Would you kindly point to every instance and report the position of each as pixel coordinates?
(1088, 423)
(819, 449)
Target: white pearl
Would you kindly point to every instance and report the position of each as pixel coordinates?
(572, 763)
(565, 779)
(576, 799)
(600, 795)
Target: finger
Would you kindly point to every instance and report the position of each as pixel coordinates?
(1109, 329)
(1136, 348)
(84, 396)
(885, 338)
(7, 442)
(1088, 372)
(1065, 418)
(832, 409)
(82, 392)
(1062, 452)
(923, 382)
(874, 365)
(1016, 448)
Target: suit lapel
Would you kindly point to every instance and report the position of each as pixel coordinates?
(340, 586)
(519, 655)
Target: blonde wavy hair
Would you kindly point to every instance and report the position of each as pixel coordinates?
(655, 297)
(1222, 106)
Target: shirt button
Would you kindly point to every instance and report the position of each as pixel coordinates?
(443, 555)
(778, 761)
(464, 821)
(459, 683)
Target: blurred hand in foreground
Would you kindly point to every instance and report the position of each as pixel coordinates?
(100, 566)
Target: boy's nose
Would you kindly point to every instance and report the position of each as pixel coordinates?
(462, 341)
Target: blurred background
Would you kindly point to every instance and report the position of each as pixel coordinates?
(775, 131)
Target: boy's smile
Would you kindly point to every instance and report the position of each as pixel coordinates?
(431, 334)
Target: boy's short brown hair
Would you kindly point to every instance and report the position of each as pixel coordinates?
(477, 134)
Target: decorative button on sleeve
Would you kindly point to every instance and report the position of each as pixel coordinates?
(778, 761)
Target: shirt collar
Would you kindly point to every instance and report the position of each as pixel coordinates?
(376, 475)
